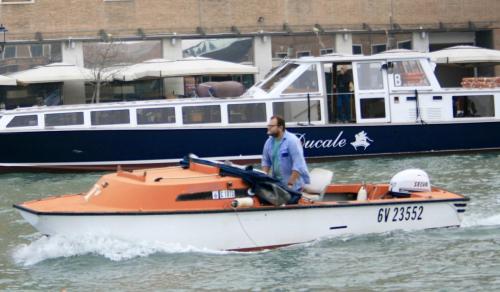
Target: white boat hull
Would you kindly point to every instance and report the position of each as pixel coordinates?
(247, 229)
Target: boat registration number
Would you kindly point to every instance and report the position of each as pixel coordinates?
(397, 214)
(223, 194)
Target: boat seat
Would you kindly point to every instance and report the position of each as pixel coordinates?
(320, 179)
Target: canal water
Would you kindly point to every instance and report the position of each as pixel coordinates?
(466, 258)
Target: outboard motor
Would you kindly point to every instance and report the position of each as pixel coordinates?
(409, 180)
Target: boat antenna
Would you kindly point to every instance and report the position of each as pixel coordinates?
(308, 109)
(417, 109)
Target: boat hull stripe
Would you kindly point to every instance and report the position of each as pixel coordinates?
(266, 209)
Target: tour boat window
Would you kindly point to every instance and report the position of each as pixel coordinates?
(164, 115)
(111, 117)
(372, 108)
(63, 119)
(409, 73)
(23, 121)
(477, 106)
(307, 82)
(296, 111)
(282, 73)
(247, 113)
(370, 76)
(201, 114)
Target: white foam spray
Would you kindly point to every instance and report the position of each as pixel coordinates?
(45, 248)
(471, 220)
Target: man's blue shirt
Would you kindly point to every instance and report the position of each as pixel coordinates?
(291, 158)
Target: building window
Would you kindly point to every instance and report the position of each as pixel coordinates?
(9, 52)
(281, 55)
(112, 117)
(372, 108)
(301, 54)
(357, 49)
(63, 119)
(55, 52)
(156, 116)
(36, 50)
(326, 51)
(404, 45)
(201, 114)
(247, 113)
(378, 48)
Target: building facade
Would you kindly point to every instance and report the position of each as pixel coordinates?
(45, 31)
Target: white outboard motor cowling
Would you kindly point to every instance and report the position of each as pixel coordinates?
(410, 180)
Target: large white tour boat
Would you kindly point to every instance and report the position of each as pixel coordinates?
(395, 105)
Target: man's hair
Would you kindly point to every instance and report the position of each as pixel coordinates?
(280, 121)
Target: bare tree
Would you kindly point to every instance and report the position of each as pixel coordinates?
(101, 58)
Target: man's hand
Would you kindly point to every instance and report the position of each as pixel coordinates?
(265, 169)
(293, 178)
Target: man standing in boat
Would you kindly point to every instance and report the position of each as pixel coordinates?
(283, 156)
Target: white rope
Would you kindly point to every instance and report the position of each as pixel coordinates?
(243, 228)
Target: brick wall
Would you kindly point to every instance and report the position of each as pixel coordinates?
(64, 18)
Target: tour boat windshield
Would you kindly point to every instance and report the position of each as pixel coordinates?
(271, 83)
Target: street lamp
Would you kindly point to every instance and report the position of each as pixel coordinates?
(3, 30)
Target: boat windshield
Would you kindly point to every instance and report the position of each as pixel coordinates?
(271, 83)
(409, 73)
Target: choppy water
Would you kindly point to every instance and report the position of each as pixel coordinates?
(466, 258)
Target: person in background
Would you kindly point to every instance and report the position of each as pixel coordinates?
(283, 156)
(344, 86)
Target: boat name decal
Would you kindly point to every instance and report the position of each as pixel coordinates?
(361, 139)
(398, 214)
(327, 143)
(223, 194)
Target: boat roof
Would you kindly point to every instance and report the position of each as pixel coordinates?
(391, 54)
(114, 105)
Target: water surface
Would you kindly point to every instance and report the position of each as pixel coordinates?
(466, 258)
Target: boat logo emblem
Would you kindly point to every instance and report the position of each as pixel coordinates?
(362, 140)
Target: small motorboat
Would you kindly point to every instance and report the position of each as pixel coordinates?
(221, 206)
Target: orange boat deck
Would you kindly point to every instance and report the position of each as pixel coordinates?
(199, 188)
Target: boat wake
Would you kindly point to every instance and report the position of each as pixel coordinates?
(471, 221)
(45, 248)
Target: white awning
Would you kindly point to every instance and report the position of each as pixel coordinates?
(55, 72)
(149, 68)
(7, 81)
(465, 55)
(186, 67)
